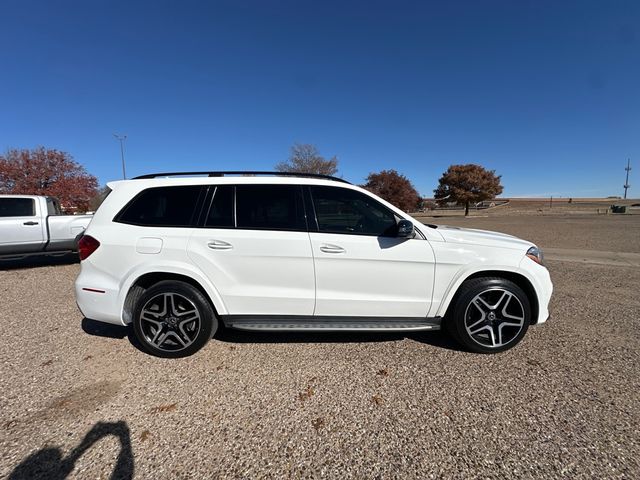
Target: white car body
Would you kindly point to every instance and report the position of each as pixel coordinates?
(297, 274)
(41, 230)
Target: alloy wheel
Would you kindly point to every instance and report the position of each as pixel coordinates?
(494, 318)
(170, 322)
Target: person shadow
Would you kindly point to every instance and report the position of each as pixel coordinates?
(49, 462)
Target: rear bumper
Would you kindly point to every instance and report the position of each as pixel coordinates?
(97, 296)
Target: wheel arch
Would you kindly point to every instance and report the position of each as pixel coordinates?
(518, 278)
(145, 280)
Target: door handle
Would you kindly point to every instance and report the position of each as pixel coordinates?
(219, 245)
(332, 249)
(30, 223)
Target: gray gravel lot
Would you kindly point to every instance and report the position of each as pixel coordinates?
(78, 398)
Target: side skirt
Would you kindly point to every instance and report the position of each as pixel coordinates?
(329, 323)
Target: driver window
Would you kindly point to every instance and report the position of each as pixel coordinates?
(341, 210)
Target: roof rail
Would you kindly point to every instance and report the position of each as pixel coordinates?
(241, 172)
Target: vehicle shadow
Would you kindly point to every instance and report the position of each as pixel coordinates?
(229, 335)
(39, 261)
(49, 462)
(436, 339)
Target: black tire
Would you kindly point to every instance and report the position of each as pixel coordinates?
(478, 327)
(170, 309)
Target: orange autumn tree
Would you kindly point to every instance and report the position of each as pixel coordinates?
(47, 172)
(395, 188)
(467, 184)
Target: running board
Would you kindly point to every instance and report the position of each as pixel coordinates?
(329, 324)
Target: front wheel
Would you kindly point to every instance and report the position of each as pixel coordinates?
(173, 319)
(490, 315)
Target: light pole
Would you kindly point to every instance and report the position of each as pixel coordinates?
(121, 139)
(626, 182)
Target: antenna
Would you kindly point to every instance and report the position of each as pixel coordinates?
(626, 182)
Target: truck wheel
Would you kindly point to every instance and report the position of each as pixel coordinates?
(490, 315)
(173, 319)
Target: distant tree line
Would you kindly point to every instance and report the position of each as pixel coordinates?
(460, 184)
(42, 171)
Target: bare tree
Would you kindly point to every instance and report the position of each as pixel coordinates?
(305, 158)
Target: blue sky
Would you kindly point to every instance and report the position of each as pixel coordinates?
(547, 93)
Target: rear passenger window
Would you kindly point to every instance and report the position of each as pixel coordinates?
(17, 207)
(221, 210)
(273, 207)
(162, 207)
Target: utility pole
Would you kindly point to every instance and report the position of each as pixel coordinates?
(121, 139)
(626, 182)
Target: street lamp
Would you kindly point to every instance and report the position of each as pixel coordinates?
(121, 139)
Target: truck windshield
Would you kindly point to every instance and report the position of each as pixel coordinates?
(17, 207)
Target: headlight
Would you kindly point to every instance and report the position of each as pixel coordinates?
(535, 254)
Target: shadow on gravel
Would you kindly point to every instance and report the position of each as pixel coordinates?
(108, 330)
(43, 261)
(228, 335)
(50, 464)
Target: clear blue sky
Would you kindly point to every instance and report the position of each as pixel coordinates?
(545, 92)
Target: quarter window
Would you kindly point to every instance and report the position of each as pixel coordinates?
(162, 207)
(273, 207)
(341, 210)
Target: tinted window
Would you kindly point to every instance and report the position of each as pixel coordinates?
(340, 210)
(221, 209)
(275, 207)
(162, 207)
(17, 207)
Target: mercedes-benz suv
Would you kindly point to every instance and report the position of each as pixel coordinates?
(177, 255)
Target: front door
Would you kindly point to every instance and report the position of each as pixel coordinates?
(361, 267)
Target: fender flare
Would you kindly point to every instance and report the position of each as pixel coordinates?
(172, 268)
(464, 274)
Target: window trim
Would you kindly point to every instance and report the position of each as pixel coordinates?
(382, 207)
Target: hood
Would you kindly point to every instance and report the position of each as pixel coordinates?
(471, 236)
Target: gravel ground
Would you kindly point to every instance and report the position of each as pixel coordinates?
(78, 398)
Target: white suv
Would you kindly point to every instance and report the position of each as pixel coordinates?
(177, 257)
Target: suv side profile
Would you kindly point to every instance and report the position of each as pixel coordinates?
(177, 255)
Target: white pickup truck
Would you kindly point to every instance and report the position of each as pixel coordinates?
(35, 225)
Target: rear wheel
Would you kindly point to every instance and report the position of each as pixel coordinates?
(173, 319)
(490, 315)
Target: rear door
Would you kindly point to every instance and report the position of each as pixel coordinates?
(362, 268)
(21, 228)
(254, 247)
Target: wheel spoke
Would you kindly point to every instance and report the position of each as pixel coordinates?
(506, 314)
(478, 330)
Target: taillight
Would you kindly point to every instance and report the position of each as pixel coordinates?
(86, 246)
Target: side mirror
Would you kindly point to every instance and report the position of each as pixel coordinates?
(405, 229)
